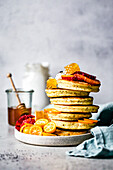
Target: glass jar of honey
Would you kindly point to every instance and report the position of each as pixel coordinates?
(14, 112)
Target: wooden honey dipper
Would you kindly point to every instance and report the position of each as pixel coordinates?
(21, 105)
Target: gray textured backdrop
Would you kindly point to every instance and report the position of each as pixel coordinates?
(59, 32)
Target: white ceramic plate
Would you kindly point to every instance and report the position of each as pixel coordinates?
(51, 140)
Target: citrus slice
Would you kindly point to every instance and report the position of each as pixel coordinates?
(35, 130)
(41, 122)
(82, 121)
(48, 134)
(26, 129)
(90, 120)
(50, 127)
(51, 83)
(72, 68)
(68, 77)
(22, 128)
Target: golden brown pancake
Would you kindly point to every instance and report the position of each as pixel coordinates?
(73, 125)
(62, 132)
(68, 116)
(77, 85)
(81, 109)
(64, 92)
(72, 100)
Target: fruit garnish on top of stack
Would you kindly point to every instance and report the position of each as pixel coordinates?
(72, 73)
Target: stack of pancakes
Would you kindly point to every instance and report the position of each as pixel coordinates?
(73, 105)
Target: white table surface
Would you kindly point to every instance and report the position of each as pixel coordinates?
(15, 155)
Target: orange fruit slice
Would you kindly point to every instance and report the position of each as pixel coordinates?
(82, 121)
(51, 83)
(67, 75)
(26, 129)
(35, 130)
(41, 122)
(50, 127)
(22, 128)
(90, 120)
(71, 68)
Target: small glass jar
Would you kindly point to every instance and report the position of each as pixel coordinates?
(14, 109)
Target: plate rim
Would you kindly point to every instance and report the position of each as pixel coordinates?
(85, 134)
(73, 140)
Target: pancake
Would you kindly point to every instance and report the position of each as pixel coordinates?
(76, 85)
(73, 125)
(64, 92)
(68, 116)
(61, 132)
(72, 101)
(81, 109)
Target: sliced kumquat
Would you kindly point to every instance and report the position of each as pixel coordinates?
(48, 134)
(83, 121)
(41, 122)
(22, 128)
(50, 127)
(26, 130)
(90, 120)
(35, 130)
